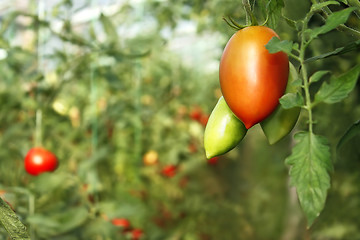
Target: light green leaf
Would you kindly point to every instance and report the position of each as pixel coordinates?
(275, 45)
(319, 6)
(291, 100)
(310, 163)
(333, 21)
(353, 46)
(109, 28)
(297, 83)
(338, 88)
(317, 76)
(11, 222)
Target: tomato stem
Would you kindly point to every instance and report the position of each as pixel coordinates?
(304, 44)
(250, 17)
(38, 130)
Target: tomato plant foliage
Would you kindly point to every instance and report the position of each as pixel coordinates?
(310, 160)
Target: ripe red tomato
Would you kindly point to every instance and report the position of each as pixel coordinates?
(252, 80)
(121, 222)
(39, 160)
(169, 171)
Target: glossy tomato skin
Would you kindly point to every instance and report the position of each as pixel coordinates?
(252, 80)
(39, 160)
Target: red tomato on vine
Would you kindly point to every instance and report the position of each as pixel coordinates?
(39, 160)
(252, 80)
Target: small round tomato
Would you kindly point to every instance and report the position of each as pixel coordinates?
(251, 79)
(39, 160)
(121, 222)
(169, 171)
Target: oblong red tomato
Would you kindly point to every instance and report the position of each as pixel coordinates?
(252, 80)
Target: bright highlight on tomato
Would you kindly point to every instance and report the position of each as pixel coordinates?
(39, 160)
(252, 80)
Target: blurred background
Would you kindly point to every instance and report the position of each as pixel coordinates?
(125, 89)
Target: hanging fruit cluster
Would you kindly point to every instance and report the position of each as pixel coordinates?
(252, 81)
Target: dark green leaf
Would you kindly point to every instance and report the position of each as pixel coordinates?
(310, 163)
(333, 21)
(342, 50)
(317, 76)
(319, 6)
(354, 3)
(11, 222)
(275, 45)
(349, 134)
(291, 100)
(338, 88)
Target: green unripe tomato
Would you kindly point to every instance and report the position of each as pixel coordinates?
(223, 130)
(282, 121)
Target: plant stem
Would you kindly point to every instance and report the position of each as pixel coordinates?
(250, 17)
(303, 47)
(38, 130)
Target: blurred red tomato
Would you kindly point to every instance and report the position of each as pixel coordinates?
(196, 113)
(121, 222)
(213, 161)
(137, 233)
(39, 160)
(204, 119)
(169, 171)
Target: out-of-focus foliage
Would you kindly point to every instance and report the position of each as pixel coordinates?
(115, 80)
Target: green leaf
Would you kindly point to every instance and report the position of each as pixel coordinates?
(109, 28)
(317, 76)
(11, 222)
(275, 45)
(297, 83)
(349, 134)
(338, 88)
(310, 163)
(291, 100)
(273, 11)
(318, 6)
(353, 46)
(291, 23)
(333, 21)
